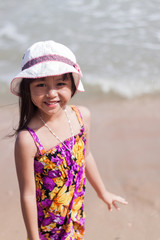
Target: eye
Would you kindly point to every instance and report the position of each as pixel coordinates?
(61, 84)
(40, 85)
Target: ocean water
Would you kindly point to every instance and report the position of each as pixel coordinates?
(117, 43)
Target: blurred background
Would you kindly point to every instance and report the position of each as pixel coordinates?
(117, 45)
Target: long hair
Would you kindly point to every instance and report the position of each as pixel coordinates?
(26, 107)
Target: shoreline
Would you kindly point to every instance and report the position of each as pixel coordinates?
(125, 142)
(91, 93)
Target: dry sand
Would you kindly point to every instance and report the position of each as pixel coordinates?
(125, 142)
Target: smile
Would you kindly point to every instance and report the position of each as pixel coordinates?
(52, 104)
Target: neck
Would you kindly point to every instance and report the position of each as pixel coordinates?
(53, 117)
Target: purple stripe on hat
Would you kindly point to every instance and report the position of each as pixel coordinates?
(47, 58)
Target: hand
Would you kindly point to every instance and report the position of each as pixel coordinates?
(112, 199)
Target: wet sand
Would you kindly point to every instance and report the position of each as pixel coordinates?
(125, 141)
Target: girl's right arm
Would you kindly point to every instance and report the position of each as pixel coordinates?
(25, 151)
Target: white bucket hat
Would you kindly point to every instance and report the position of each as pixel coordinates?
(47, 58)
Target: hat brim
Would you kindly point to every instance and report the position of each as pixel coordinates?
(46, 69)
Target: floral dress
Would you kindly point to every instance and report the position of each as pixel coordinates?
(60, 187)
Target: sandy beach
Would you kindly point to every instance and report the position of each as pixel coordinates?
(125, 141)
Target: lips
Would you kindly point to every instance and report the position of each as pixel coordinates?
(52, 104)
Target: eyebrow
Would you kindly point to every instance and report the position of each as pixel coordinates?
(39, 80)
(62, 78)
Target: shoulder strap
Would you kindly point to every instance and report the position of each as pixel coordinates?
(78, 114)
(37, 141)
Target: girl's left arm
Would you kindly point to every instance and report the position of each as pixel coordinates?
(92, 172)
(95, 179)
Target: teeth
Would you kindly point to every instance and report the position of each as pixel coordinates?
(51, 103)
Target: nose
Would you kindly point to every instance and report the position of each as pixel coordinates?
(51, 92)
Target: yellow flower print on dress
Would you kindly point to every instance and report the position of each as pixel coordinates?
(60, 188)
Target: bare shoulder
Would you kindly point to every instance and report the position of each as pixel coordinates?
(24, 141)
(85, 112)
(24, 138)
(25, 152)
(86, 115)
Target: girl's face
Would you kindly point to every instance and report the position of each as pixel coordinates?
(51, 94)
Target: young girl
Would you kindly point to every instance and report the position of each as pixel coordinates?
(52, 151)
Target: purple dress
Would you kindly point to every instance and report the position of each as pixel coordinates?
(60, 187)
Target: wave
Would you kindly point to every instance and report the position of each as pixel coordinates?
(130, 89)
(9, 32)
(116, 42)
(105, 87)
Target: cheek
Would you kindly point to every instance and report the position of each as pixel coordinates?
(66, 93)
(35, 99)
